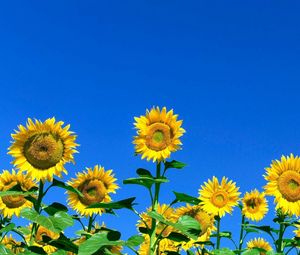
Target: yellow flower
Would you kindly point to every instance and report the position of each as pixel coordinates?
(10, 243)
(255, 205)
(297, 231)
(284, 184)
(13, 204)
(167, 212)
(95, 184)
(164, 247)
(158, 134)
(219, 198)
(42, 148)
(205, 220)
(259, 243)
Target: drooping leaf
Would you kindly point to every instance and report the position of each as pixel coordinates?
(61, 184)
(174, 164)
(7, 228)
(54, 208)
(181, 197)
(144, 173)
(134, 241)
(126, 203)
(145, 181)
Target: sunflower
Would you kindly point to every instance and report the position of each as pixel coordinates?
(38, 238)
(165, 246)
(205, 220)
(255, 205)
(167, 212)
(13, 204)
(158, 134)
(95, 184)
(284, 184)
(297, 231)
(42, 148)
(10, 243)
(259, 243)
(219, 198)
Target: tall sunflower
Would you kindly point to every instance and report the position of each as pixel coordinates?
(167, 212)
(95, 184)
(255, 205)
(219, 198)
(205, 220)
(42, 148)
(13, 204)
(284, 184)
(158, 134)
(259, 243)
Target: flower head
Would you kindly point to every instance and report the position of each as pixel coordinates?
(259, 243)
(42, 148)
(158, 134)
(255, 205)
(217, 197)
(95, 184)
(284, 184)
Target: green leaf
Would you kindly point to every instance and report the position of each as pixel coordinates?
(37, 250)
(174, 164)
(54, 208)
(94, 243)
(177, 237)
(186, 224)
(62, 242)
(59, 252)
(224, 251)
(251, 252)
(145, 181)
(61, 220)
(144, 173)
(61, 184)
(181, 197)
(7, 228)
(190, 252)
(4, 251)
(126, 203)
(134, 241)
(225, 234)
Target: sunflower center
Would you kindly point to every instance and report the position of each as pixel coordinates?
(93, 191)
(43, 150)
(159, 136)
(289, 185)
(252, 204)
(219, 198)
(13, 201)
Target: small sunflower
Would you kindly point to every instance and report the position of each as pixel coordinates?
(165, 246)
(284, 184)
(13, 204)
(259, 243)
(42, 148)
(297, 231)
(219, 198)
(10, 243)
(255, 205)
(38, 239)
(205, 220)
(167, 212)
(95, 184)
(158, 134)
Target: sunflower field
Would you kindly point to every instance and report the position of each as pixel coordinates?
(188, 225)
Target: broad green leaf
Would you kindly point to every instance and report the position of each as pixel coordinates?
(62, 243)
(126, 203)
(181, 197)
(4, 251)
(61, 220)
(54, 208)
(145, 181)
(94, 243)
(61, 184)
(251, 252)
(135, 240)
(143, 172)
(59, 252)
(37, 250)
(178, 237)
(174, 164)
(7, 228)
(186, 224)
(224, 251)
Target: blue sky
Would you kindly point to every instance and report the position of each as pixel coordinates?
(230, 69)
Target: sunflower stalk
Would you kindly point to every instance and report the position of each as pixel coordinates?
(153, 238)
(241, 235)
(279, 246)
(218, 219)
(37, 207)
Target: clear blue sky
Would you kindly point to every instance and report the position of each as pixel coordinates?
(230, 69)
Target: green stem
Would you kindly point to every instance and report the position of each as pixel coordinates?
(241, 235)
(90, 224)
(154, 208)
(279, 247)
(37, 207)
(218, 219)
